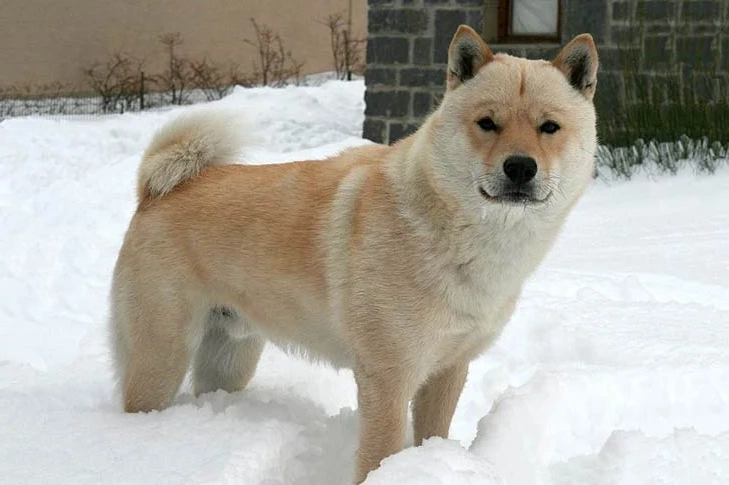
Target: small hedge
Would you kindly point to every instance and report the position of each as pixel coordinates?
(654, 158)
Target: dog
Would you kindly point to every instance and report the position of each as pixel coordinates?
(402, 262)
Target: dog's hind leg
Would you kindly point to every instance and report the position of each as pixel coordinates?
(156, 364)
(228, 356)
(151, 342)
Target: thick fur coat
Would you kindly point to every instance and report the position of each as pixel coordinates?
(401, 262)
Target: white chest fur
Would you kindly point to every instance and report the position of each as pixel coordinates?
(477, 282)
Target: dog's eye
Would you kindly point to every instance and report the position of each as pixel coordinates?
(549, 127)
(487, 124)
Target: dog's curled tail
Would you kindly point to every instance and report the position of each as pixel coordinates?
(184, 146)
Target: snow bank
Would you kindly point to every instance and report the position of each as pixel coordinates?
(630, 457)
(437, 462)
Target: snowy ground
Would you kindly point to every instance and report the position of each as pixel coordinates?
(614, 370)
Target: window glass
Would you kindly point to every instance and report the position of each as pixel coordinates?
(534, 17)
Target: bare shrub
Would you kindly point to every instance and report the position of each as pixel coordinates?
(246, 80)
(214, 81)
(177, 78)
(117, 82)
(275, 66)
(346, 48)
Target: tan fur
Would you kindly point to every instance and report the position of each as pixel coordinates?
(182, 148)
(387, 260)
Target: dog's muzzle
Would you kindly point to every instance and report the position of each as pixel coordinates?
(517, 185)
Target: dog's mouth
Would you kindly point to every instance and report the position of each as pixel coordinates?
(521, 197)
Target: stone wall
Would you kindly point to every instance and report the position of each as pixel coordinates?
(651, 51)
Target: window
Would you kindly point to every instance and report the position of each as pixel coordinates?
(529, 21)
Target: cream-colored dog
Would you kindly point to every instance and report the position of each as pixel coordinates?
(400, 262)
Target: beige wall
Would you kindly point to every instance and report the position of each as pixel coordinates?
(43, 41)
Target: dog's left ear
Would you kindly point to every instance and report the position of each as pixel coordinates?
(466, 55)
(578, 62)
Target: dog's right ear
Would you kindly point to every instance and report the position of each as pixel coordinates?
(466, 55)
(578, 62)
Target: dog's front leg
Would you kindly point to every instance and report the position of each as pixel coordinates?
(383, 403)
(435, 402)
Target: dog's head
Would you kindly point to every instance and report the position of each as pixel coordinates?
(518, 133)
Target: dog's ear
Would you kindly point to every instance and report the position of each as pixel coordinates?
(466, 55)
(578, 62)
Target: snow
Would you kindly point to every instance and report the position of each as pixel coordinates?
(614, 368)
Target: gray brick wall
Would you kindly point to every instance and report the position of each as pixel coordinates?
(406, 57)
(679, 48)
(675, 49)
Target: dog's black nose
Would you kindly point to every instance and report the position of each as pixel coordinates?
(519, 169)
